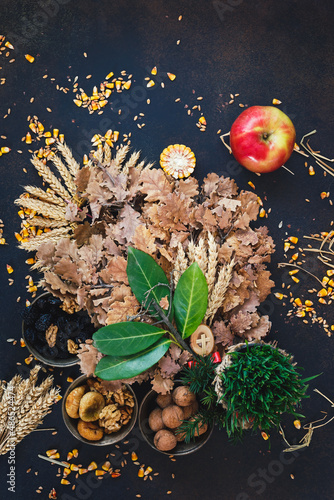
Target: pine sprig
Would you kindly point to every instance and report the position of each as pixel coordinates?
(200, 375)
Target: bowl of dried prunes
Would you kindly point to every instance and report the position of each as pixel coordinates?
(52, 332)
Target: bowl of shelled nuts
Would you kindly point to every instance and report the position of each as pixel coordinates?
(52, 330)
(160, 418)
(96, 415)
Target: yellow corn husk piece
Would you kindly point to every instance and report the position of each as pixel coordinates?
(178, 161)
(29, 58)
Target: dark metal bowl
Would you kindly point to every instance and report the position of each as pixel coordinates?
(149, 404)
(108, 439)
(57, 363)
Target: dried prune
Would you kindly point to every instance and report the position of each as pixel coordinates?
(43, 322)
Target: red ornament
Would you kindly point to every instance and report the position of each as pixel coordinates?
(216, 357)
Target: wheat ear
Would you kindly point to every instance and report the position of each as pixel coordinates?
(131, 162)
(45, 195)
(73, 165)
(218, 293)
(50, 178)
(201, 255)
(107, 154)
(181, 263)
(212, 262)
(52, 236)
(121, 155)
(191, 251)
(65, 173)
(52, 223)
(41, 207)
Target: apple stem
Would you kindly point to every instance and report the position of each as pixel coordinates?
(225, 144)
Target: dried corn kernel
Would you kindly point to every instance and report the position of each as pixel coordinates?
(64, 481)
(109, 75)
(298, 302)
(293, 239)
(115, 474)
(286, 246)
(262, 212)
(127, 85)
(308, 303)
(297, 424)
(171, 76)
(276, 101)
(278, 295)
(264, 435)
(311, 170)
(106, 466)
(9, 269)
(295, 271)
(296, 280)
(83, 471)
(92, 466)
(77, 102)
(29, 58)
(322, 293)
(202, 120)
(5, 150)
(178, 161)
(148, 470)
(151, 83)
(141, 472)
(134, 456)
(330, 272)
(295, 256)
(28, 138)
(100, 472)
(154, 71)
(69, 455)
(76, 453)
(50, 452)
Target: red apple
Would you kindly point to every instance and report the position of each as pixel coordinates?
(262, 138)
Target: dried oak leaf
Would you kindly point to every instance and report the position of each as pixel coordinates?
(174, 213)
(68, 270)
(89, 356)
(260, 330)
(66, 247)
(241, 322)
(115, 271)
(129, 221)
(155, 185)
(144, 240)
(164, 302)
(222, 333)
(264, 284)
(188, 187)
(55, 283)
(45, 254)
(168, 366)
(82, 178)
(119, 311)
(82, 233)
(98, 197)
(161, 385)
(210, 184)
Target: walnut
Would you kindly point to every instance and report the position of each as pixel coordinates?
(51, 335)
(119, 397)
(69, 305)
(72, 347)
(110, 418)
(128, 397)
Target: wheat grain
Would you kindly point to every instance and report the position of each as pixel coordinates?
(73, 165)
(50, 178)
(212, 262)
(66, 175)
(45, 195)
(52, 236)
(41, 207)
(218, 293)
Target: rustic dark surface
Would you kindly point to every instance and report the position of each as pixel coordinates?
(260, 49)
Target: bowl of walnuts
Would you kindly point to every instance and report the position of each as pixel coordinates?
(98, 416)
(160, 416)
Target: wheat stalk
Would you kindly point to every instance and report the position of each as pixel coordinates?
(23, 406)
(107, 154)
(212, 262)
(45, 195)
(73, 165)
(50, 178)
(52, 236)
(66, 175)
(217, 296)
(41, 207)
